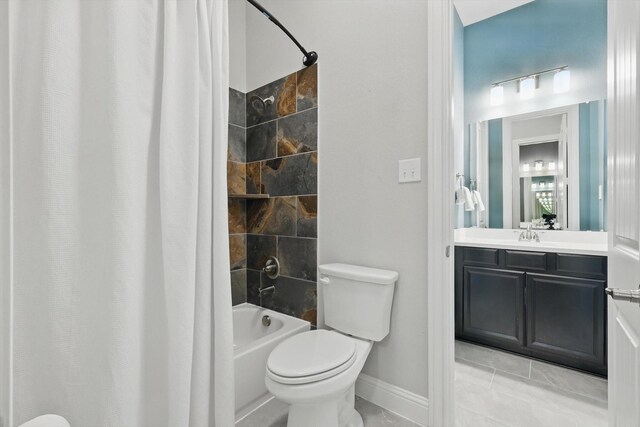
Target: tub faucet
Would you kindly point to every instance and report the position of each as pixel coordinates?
(265, 290)
(529, 235)
(262, 291)
(272, 267)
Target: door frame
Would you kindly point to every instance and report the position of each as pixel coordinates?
(440, 291)
(440, 303)
(6, 233)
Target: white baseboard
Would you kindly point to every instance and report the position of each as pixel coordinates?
(395, 399)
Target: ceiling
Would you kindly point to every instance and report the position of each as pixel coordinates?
(472, 11)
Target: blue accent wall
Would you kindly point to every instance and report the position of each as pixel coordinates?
(592, 166)
(537, 36)
(495, 174)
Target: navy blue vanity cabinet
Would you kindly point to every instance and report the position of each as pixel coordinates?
(544, 305)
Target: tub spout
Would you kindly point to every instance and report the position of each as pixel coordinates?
(265, 290)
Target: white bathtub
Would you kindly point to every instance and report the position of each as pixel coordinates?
(252, 344)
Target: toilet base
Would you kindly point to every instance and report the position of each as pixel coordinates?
(334, 413)
(355, 421)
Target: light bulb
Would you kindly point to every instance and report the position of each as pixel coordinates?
(525, 167)
(538, 165)
(562, 81)
(527, 88)
(552, 166)
(497, 95)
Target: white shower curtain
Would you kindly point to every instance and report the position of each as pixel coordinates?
(117, 117)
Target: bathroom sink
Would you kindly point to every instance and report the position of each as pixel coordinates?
(578, 242)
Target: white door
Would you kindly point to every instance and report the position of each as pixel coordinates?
(624, 213)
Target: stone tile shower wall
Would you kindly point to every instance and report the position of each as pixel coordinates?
(276, 154)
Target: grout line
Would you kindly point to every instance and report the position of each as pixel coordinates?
(289, 195)
(283, 117)
(295, 221)
(283, 275)
(282, 157)
(476, 362)
(289, 237)
(275, 146)
(548, 383)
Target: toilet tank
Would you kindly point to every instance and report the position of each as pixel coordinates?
(357, 300)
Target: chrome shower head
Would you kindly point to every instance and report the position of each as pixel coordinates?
(259, 104)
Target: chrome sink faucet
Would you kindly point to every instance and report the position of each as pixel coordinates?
(529, 235)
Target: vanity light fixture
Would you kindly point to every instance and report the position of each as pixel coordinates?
(527, 84)
(497, 95)
(552, 166)
(562, 81)
(525, 167)
(538, 165)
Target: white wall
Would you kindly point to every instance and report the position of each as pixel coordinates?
(541, 126)
(238, 45)
(372, 112)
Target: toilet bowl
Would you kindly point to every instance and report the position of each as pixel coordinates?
(315, 372)
(320, 392)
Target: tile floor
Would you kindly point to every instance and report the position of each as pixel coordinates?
(495, 388)
(274, 414)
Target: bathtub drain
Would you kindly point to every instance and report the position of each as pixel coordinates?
(266, 320)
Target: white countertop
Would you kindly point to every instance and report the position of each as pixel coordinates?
(568, 242)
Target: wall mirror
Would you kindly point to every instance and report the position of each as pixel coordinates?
(545, 168)
(530, 112)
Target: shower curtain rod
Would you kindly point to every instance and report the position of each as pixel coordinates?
(310, 58)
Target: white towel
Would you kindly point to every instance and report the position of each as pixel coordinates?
(478, 200)
(469, 205)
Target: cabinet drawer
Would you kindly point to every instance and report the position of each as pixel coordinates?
(582, 265)
(536, 261)
(480, 256)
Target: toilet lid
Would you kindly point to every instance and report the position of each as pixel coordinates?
(311, 353)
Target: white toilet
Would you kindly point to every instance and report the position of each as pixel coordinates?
(315, 372)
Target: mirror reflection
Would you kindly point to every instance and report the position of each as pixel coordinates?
(546, 169)
(533, 110)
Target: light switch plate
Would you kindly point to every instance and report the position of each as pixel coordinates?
(409, 170)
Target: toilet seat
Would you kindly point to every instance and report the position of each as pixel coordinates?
(311, 356)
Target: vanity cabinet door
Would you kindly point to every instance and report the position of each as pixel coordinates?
(493, 307)
(566, 320)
